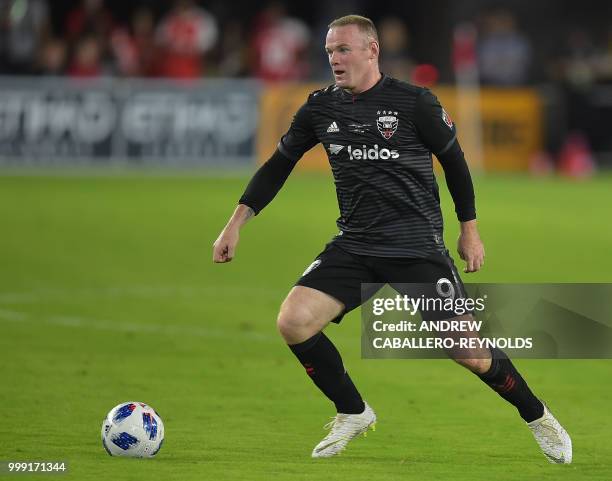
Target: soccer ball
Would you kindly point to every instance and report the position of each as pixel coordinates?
(132, 429)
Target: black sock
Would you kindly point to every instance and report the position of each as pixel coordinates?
(504, 379)
(323, 364)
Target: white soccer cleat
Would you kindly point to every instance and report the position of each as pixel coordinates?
(343, 428)
(552, 438)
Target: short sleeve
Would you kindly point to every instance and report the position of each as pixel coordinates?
(434, 125)
(300, 137)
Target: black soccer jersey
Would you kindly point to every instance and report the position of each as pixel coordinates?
(379, 144)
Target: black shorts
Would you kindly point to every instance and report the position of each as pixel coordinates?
(341, 274)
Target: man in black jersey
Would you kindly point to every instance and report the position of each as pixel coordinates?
(379, 134)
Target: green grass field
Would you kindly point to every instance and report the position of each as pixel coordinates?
(108, 294)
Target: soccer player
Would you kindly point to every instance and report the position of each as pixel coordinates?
(379, 134)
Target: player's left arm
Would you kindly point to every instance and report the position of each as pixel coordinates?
(439, 133)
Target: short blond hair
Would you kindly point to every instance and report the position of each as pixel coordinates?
(364, 24)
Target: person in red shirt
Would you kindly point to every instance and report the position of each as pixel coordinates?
(279, 46)
(86, 61)
(91, 17)
(134, 48)
(185, 35)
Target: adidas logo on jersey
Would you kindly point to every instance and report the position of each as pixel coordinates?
(335, 148)
(373, 153)
(333, 127)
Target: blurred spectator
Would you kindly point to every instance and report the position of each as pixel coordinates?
(504, 53)
(4, 33)
(394, 38)
(279, 46)
(185, 35)
(24, 26)
(605, 59)
(425, 75)
(143, 32)
(91, 17)
(576, 65)
(573, 70)
(125, 52)
(86, 61)
(52, 58)
(233, 51)
(135, 48)
(88, 28)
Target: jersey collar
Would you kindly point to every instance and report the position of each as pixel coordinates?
(368, 92)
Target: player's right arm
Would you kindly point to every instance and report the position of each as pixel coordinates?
(262, 188)
(225, 245)
(266, 182)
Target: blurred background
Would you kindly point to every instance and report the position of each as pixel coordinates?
(128, 131)
(109, 81)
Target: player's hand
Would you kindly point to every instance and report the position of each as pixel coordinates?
(224, 247)
(470, 247)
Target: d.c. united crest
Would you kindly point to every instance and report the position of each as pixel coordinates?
(387, 123)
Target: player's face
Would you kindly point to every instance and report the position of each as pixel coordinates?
(352, 56)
